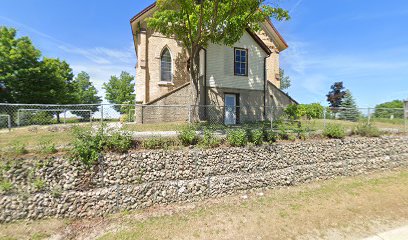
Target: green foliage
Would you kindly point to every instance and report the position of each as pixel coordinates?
(209, 140)
(390, 109)
(367, 130)
(285, 81)
(159, 143)
(309, 111)
(47, 147)
(39, 184)
(283, 133)
(334, 131)
(56, 192)
(88, 144)
(41, 118)
(6, 186)
(270, 136)
(19, 148)
(188, 136)
(256, 137)
(198, 23)
(118, 142)
(350, 111)
(237, 137)
(85, 93)
(120, 90)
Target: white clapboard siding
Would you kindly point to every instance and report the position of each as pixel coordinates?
(220, 65)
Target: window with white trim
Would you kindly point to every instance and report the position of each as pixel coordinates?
(241, 62)
(166, 66)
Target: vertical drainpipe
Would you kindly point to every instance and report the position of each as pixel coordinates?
(264, 100)
(205, 85)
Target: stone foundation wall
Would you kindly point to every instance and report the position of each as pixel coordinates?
(145, 178)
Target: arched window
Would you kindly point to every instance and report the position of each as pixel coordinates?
(166, 66)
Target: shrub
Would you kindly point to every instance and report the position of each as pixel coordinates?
(257, 137)
(188, 136)
(334, 131)
(47, 147)
(158, 143)
(125, 118)
(270, 135)
(88, 144)
(6, 186)
(237, 137)
(118, 142)
(19, 148)
(310, 111)
(367, 130)
(282, 133)
(39, 184)
(209, 140)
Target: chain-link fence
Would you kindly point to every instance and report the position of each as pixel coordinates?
(172, 117)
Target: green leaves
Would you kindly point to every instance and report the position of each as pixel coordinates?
(120, 90)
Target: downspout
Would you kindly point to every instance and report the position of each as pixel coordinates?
(264, 100)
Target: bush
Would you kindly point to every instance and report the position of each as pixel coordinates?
(282, 133)
(209, 140)
(6, 186)
(334, 131)
(47, 147)
(88, 144)
(158, 143)
(237, 137)
(19, 148)
(257, 137)
(367, 130)
(270, 136)
(188, 136)
(309, 111)
(118, 142)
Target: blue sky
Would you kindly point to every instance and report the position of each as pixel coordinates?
(362, 43)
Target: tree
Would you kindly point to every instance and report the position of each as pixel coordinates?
(390, 109)
(85, 93)
(120, 90)
(26, 78)
(336, 94)
(349, 109)
(19, 66)
(200, 22)
(285, 81)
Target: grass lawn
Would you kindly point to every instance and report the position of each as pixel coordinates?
(344, 208)
(33, 139)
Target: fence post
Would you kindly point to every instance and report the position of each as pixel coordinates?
(18, 117)
(9, 122)
(324, 118)
(65, 116)
(369, 115)
(101, 113)
(406, 115)
(271, 118)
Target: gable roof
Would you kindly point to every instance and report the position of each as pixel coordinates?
(271, 30)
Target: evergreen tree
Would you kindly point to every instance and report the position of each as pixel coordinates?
(349, 110)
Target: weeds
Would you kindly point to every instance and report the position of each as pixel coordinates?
(237, 137)
(6, 186)
(209, 140)
(188, 136)
(334, 131)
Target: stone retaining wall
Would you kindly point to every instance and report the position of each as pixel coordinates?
(142, 179)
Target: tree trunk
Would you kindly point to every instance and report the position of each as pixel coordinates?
(58, 118)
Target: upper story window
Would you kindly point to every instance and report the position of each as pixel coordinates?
(241, 62)
(166, 66)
